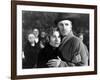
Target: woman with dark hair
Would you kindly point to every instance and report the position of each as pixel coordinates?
(50, 51)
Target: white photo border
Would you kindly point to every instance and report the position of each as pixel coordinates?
(21, 71)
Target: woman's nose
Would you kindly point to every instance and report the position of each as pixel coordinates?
(57, 40)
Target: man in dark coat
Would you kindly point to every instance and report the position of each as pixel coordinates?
(72, 48)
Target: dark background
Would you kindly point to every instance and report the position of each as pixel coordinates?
(44, 20)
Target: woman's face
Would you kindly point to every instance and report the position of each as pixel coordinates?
(55, 39)
(31, 38)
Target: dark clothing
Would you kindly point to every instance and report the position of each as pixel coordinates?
(47, 54)
(31, 54)
(43, 41)
(72, 48)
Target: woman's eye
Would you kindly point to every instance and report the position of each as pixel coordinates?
(58, 36)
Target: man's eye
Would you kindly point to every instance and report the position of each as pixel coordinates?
(66, 24)
(61, 24)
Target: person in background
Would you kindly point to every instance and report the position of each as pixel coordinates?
(81, 36)
(72, 48)
(31, 51)
(36, 33)
(43, 39)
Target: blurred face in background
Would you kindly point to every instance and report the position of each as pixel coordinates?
(55, 39)
(65, 26)
(36, 32)
(81, 37)
(31, 38)
(43, 34)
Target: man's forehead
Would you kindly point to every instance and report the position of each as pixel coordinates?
(65, 21)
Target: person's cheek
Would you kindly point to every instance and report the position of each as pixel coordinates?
(53, 40)
(59, 40)
(60, 27)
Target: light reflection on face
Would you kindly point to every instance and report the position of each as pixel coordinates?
(31, 38)
(81, 37)
(55, 39)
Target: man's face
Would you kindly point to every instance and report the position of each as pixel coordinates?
(55, 39)
(65, 27)
(36, 32)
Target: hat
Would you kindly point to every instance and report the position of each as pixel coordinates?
(63, 18)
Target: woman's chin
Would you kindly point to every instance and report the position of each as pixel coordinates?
(57, 45)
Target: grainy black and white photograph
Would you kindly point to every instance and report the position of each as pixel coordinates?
(53, 39)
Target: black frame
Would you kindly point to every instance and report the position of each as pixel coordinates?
(14, 39)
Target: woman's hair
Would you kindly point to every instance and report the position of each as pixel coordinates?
(52, 30)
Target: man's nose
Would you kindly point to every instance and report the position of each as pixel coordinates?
(64, 26)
